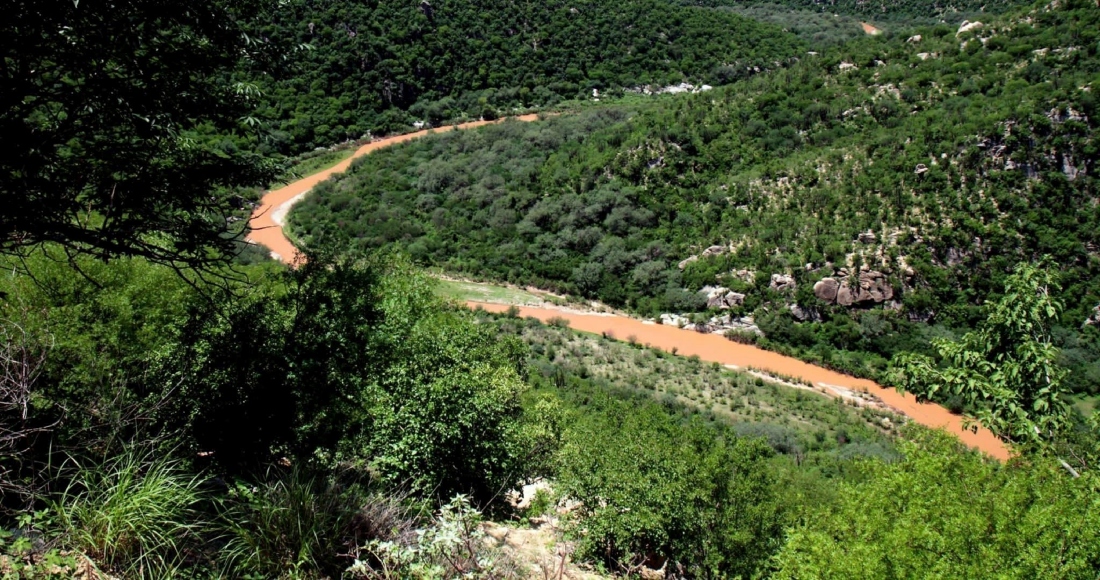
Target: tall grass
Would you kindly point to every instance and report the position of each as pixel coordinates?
(134, 514)
(297, 525)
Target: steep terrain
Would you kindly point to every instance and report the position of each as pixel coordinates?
(858, 202)
(359, 67)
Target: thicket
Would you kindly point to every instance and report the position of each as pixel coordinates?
(354, 68)
(962, 154)
(905, 12)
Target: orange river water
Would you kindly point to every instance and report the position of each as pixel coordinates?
(708, 347)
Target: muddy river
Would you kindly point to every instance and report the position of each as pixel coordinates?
(266, 225)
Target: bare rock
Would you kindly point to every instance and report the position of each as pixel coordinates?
(1094, 318)
(782, 283)
(804, 314)
(844, 295)
(735, 299)
(713, 251)
(748, 276)
(967, 26)
(914, 39)
(826, 289)
(873, 287)
(921, 169)
(867, 237)
(683, 263)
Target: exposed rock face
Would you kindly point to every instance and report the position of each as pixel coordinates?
(867, 237)
(921, 168)
(874, 288)
(804, 314)
(713, 251)
(1094, 319)
(683, 264)
(782, 283)
(748, 276)
(722, 298)
(914, 38)
(844, 296)
(826, 289)
(967, 26)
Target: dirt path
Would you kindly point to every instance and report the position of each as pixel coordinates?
(267, 218)
(715, 348)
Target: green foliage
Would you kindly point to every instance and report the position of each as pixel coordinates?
(650, 489)
(344, 361)
(1006, 368)
(378, 67)
(297, 525)
(127, 143)
(959, 160)
(135, 513)
(948, 513)
(453, 546)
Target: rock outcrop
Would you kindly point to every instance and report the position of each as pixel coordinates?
(721, 297)
(826, 289)
(873, 288)
(782, 283)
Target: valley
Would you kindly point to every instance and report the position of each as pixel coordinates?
(600, 289)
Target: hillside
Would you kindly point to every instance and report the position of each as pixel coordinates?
(356, 67)
(884, 187)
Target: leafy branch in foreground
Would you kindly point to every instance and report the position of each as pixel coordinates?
(122, 134)
(1005, 370)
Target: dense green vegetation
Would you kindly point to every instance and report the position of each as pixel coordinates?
(936, 164)
(192, 419)
(379, 67)
(907, 11)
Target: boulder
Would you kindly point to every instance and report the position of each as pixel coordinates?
(683, 263)
(968, 26)
(867, 237)
(1094, 318)
(782, 283)
(804, 314)
(844, 296)
(826, 289)
(748, 276)
(714, 251)
(914, 38)
(873, 288)
(921, 168)
(721, 297)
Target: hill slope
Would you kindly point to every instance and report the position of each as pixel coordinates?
(918, 171)
(368, 63)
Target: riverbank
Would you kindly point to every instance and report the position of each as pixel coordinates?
(267, 218)
(716, 348)
(266, 223)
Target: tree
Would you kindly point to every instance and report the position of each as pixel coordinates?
(943, 512)
(1005, 370)
(123, 133)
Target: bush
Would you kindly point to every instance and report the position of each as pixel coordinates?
(452, 547)
(652, 490)
(135, 514)
(306, 525)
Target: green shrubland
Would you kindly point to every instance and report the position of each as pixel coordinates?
(936, 164)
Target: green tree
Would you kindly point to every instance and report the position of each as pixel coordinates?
(122, 132)
(945, 512)
(1006, 369)
(652, 490)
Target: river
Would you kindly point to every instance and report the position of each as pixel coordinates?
(266, 226)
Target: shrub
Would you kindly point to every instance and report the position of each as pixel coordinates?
(306, 525)
(134, 514)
